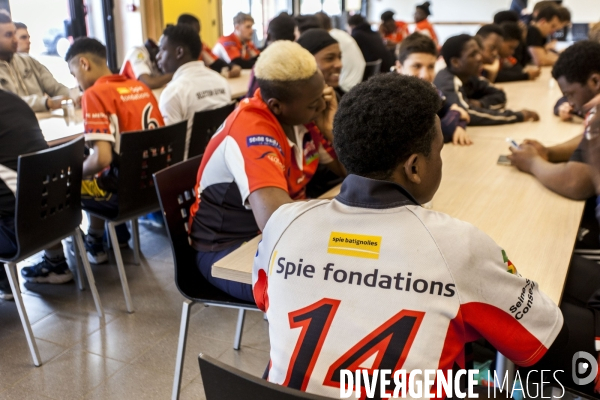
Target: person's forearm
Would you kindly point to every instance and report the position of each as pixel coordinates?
(95, 163)
(563, 180)
(562, 152)
(155, 82)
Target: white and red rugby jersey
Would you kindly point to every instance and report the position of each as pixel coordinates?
(371, 280)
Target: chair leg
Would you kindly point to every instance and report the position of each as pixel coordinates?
(11, 272)
(135, 231)
(239, 329)
(183, 328)
(120, 266)
(81, 255)
(78, 253)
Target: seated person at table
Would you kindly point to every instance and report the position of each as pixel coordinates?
(417, 57)
(491, 38)
(353, 62)
(374, 245)
(111, 105)
(511, 66)
(23, 38)
(19, 134)
(392, 31)
(327, 54)
(282, 27)
(263, 157)
(25, 76)
(547, 21)
(423, 26)
(140, 64)
(306, 22)
(206, 55)
(194, 87)
(562, 168)
(370, 42)
(461, 84)
(238, 48)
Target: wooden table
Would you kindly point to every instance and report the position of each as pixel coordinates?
(55, 129)
(536, 227)
(239, 85)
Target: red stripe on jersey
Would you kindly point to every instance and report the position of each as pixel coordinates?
(503, 330)
(260, 291)
(127, 71)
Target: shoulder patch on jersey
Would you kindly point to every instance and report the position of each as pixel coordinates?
(510, 267)
(354, 245)
(263, 140)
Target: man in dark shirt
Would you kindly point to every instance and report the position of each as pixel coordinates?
(461, 84)
(545, 23)
(514, 56)
(19, 134)
(370, 43)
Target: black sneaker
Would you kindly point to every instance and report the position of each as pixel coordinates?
(5, 291)
(48, 272)
(94, 249)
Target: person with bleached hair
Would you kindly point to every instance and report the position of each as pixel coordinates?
(262, 157)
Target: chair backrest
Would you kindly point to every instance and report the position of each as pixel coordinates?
(48, 197)
(142, 154)
(224, 382)
(205, 125)
(372, 68)
(175, 187)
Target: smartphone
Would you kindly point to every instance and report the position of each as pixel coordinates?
(503, 160)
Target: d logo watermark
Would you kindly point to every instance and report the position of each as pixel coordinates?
(584, 364)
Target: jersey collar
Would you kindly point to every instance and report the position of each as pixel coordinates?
(358, 191)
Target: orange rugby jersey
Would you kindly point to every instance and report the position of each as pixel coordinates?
(249, 152)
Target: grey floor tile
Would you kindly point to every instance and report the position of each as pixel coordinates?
(71, 375)
(220, 323)
(20, 394)
(134, 382)
(16, 359)
(246, 359)
(193, 391)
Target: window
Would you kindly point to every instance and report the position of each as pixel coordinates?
(262, 11)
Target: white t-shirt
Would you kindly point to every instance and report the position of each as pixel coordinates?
(193, 88)
(137, 62)
(353, 62)
(371, 280)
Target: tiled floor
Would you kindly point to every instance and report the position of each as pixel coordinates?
(133, 355)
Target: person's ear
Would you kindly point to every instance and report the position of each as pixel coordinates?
(594, 82)
(275, 106)
(399, 67)
(455, 63)
(411, 169)
(84, 63)
(179, 52)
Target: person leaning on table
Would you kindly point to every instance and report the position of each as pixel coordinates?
(374, 271)
(263, 156)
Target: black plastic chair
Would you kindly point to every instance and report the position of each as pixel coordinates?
(141, 154)
(48, 209)
(205, 125)
(223, 382)
(175, 187)
(372, 68)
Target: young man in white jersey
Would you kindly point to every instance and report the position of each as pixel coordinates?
(371, 280)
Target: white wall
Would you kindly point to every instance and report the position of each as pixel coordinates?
(128, 27)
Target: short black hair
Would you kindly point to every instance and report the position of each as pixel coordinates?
(282, 27)
(564, 15)
(488, 29)
(506, 16)
(416, 43)
(454, 46)
(306, 22)
(5, 18)
(184, 36)
(578, 62)
(371, 137)
(20, 25)
(83, 45)
(355, 20)
(548, 13)
(512, 31)
(324, 20)
(187, 19)
(387, 16)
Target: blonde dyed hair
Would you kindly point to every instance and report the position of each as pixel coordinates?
(285, 61)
